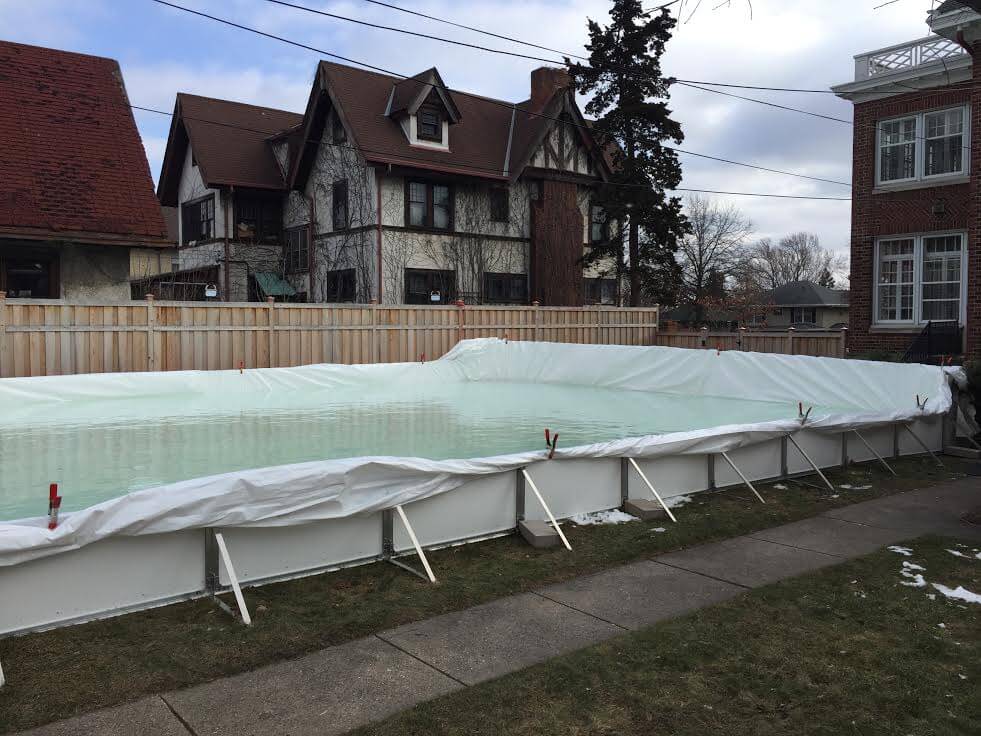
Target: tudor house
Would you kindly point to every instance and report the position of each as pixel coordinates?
(916, 191)
(78, 216)
(388, 189)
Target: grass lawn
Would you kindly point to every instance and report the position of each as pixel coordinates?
(56, 674)
(849, 650)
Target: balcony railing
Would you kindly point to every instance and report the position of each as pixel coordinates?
(906, 56)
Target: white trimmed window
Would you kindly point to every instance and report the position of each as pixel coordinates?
(920, 279)
(923, 147)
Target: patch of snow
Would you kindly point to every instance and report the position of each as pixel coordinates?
(963, 677)
(780, 486)
(676, 501)
(913, 566)
(916, 579)
(932, 596)
(900, 550)
(966, 557)
(659, 530)
(836, 495)
(854, 488)
(960, 593)
(614, 516)
(942, 625)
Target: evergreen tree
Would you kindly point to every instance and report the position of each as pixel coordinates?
(826, 278)
(632, 120)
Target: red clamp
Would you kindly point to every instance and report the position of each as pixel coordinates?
(54, 504)
(550, 442)
(241, 367)
(422, 358)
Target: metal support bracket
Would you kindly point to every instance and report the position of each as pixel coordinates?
(2, 679)
(519, 497)
(548, 511)
(845, 460)
(811, 462)
(215, 543)
(710, 470)
(872, 450)
(725, 456)
(652, 489)
(388, 544)
(784, 469)
(922, 444)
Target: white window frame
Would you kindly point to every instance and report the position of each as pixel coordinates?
(919, 141)
(917, 320)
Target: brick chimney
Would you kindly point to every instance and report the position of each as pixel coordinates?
(545, 82)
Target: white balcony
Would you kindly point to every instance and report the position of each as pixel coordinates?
(925, 52)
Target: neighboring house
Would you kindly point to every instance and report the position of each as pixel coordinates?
(76, 196)
(806, 304)
(392, 190)
(915, 187)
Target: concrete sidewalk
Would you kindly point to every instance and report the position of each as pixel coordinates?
(341, 688)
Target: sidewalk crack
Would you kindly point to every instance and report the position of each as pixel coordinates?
(187, 726)
(420, 659)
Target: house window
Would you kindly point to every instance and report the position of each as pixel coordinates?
(920, 279)
(198, 220)
(426, 286)
(339, 205)
(341, 285)
(258, 219)
(597, 224)
(297, 250)
(429, 125)
(499, 204)
(600, 291)
(429, 205)
(505, 288)
(30, 275)
(921, 147)
(337, 132)
(803, 315)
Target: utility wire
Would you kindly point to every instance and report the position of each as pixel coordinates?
(512, 39)
(475, 96)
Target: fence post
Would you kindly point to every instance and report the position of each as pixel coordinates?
(3, 332)
(271, 306)
(538, 334)
(790, 340)
(843, 348)
(461, 321)
(704, 336)
(375, 347)
(151, 322)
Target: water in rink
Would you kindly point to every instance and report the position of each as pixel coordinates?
(98, 450)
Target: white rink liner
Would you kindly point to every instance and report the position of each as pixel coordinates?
(289, 520)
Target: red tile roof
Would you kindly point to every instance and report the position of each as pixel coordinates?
(72, 165)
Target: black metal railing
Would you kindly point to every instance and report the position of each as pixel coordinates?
(936, 341)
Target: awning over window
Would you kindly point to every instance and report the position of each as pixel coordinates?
(272, 284)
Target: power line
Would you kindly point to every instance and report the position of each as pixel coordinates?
(768, 104)
(530, 44)
(472, 95)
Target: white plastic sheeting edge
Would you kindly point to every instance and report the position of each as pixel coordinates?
(881, 393)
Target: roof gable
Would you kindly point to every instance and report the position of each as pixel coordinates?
(807, 294)
(230, 141)
(72, 162)
(409, 94)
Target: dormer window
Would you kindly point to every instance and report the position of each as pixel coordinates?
(429, 125)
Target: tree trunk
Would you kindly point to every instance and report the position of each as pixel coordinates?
(634, 251)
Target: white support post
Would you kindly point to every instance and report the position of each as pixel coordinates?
(872, 450)
(725, 456)
(2, 680)
(233, 579)
(922, 444)
(649, 485)
(811, 462)
(548, 511)
(415, 543)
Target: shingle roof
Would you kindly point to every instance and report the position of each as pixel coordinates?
(72, 164)
(229, 140)
(807, 294)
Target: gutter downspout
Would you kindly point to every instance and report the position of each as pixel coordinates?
(311, 260)
(959, 39)
(228, 248)
(378, 214)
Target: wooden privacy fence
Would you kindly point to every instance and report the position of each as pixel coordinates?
(46, 338)
(821, 343)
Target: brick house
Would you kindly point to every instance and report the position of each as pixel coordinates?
(389, 189)
(915, 248)
(78, 213)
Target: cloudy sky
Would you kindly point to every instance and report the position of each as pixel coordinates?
(784, 43)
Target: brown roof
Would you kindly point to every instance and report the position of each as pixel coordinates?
(72, 165)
